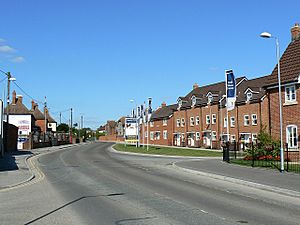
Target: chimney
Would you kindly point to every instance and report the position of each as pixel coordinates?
(164, 104)
(295, 31)
(20, 99)
(195, 86)
(32, 105)
(14, 97)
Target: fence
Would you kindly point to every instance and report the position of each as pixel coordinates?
(256, 156)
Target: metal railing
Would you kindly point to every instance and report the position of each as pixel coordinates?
(256, 156)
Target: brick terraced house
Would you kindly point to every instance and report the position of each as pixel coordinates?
(160, 126)
(290, 92)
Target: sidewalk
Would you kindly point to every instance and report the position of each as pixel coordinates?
(14, 169)
(259, 177)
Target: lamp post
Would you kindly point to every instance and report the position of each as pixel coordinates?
(268, 35)
(9, 79)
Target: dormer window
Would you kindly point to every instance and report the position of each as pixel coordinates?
(194, 100)
(179, 103)
(210, 99)
(249, 96)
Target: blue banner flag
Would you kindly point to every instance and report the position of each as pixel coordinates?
(230, 90)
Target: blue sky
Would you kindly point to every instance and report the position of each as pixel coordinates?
(94, 56)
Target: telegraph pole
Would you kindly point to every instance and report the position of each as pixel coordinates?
(7, 108)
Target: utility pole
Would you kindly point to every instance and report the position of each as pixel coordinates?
(60, 118)
(7, 108)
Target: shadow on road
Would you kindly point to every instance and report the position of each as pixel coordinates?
(8, 162)
(70, 203)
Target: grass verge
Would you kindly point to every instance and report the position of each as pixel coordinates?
(157, 150)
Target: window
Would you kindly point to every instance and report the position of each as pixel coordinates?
(146, 134)
(197, 136)
(197, 120)
(165, 134)
(207, 119)
(179, 104)
(292, 136)
(254, 138)
(233, 139)
(290, 94)
(214, 118)
(225, 122)
(157, 135)
(192, 121)
(182, 122)
(165, 122)
(246, 120)
(249, 96)
(194, 100)
(178, 123)
(214, 135)
(254, 119)
(151, 124)
(232, 121)
(151, 135)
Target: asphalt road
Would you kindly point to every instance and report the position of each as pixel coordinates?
(92, 185)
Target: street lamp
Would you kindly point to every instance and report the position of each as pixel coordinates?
(268, 35)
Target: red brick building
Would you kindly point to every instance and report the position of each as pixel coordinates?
(290, 79)
(161, 126)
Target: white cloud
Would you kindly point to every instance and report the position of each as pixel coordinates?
(6, 49)
(2, 40)
(18, 59)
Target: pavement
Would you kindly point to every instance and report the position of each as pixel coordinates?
(287, 183)
(14, 170)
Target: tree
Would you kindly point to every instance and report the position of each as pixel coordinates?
(63, 127)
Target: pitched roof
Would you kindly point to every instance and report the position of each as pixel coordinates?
(38, 115)
(17, 108)
(163, 112)
(289, 65)
(217, 89)
(49, 118)
(255, 85)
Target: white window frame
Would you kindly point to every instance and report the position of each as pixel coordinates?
(207, 119)
(146, 134)
(225, 123)
(254, 120)
(151, 135)
(165, 134)
(213, 118)
(157, 135)
(290, 94)
(192, 121)
(151, 124)
(197, 120)
(232, 138)
(182, 122)
(214, 135)
(165, 122)
(254, 137)
(246, 121)
(197, 136)
(293, 137)
(232, 121)
(178, 123)
(249, 96)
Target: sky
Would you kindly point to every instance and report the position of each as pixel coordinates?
(95, 56)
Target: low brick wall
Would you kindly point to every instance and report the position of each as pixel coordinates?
(113, 138)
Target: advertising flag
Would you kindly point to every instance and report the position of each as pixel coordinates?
(230, 90)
